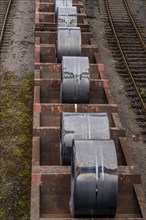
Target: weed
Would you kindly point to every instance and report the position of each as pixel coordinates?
(143, 93)
(16, 137)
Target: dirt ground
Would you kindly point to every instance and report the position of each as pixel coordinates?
(127, 116)
(20, 57)
(20, 60)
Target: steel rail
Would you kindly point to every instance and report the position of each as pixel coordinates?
(134, 24)
(123, 56)
(4, 22)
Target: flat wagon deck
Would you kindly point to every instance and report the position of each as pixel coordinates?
(50, 189)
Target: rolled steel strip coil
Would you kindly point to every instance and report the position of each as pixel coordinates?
(75, 85)
(67, 17)
(60, 3)
(81, 126)
(94, 178)
(68, 42)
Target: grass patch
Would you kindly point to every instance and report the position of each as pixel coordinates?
(15, 144)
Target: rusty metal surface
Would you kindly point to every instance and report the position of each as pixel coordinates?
(50, 37)
(50, 189)
(45, 16)
(53, 183)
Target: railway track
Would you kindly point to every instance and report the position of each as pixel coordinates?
(127, 42)
(8, 9)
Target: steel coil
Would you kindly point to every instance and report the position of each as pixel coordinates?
(81, 126)
(60, 3)
(67, 17)
(75, 85)
(94, 178)
(68, 42)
